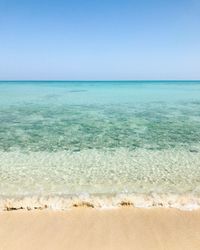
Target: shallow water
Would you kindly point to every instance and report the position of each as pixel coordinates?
(75, 138)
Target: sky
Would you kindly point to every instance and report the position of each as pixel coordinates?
(99, 39)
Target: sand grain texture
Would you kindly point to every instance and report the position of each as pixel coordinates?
(87, 228)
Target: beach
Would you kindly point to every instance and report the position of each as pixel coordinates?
(100, 165)
(88, 228)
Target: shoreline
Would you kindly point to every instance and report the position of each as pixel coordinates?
(85, 228)
(185, 202)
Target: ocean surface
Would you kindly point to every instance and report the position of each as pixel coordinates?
(99, 144)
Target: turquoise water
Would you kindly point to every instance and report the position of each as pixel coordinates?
(72, 138)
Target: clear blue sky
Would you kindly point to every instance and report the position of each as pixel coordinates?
(99, 39)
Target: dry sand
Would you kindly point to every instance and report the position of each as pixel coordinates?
(85, 228)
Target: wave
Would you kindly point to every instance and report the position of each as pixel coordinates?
(178, 201)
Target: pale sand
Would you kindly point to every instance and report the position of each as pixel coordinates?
(85, 228)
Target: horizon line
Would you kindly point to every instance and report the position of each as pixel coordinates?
(121, 80)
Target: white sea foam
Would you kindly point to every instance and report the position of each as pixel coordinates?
(183, 202)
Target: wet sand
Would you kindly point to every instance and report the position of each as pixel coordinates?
(88, 228)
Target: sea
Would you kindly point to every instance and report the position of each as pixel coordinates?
(102, 144)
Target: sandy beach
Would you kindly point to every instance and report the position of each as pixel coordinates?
(87, 228)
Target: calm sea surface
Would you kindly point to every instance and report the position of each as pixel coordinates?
(64, 138)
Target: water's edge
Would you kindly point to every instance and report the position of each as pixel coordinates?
(187, 202)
